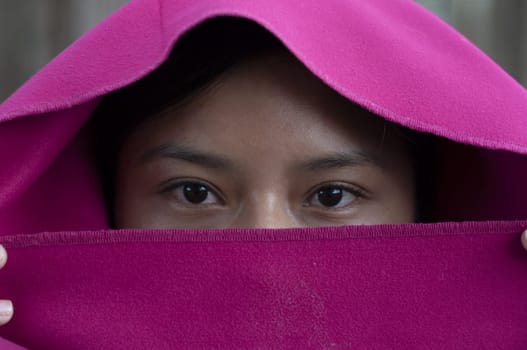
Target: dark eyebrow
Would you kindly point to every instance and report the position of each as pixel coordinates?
(186, 153)
(340, 160)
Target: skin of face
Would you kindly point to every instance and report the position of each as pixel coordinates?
(265, 145)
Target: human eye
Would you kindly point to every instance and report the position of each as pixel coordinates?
(192, 193)
(335, 196)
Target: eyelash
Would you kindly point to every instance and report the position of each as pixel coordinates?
(173, 186)
(356, 191)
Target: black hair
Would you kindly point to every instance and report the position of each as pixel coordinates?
(423, 149)
(200, 56)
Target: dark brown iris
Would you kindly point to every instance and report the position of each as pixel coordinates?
(195, 193)
(329, 196)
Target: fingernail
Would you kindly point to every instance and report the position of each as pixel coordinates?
(6, 311)
(524, 239)
(3, 256)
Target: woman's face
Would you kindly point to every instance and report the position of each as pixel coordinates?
(266, 145)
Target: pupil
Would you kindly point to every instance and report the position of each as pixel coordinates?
(330, 197)
(195, 193)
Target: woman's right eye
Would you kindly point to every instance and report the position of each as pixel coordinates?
(194, 193)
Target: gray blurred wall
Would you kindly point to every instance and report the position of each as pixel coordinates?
(498, 27)
(34, 31)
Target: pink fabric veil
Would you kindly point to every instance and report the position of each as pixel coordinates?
(77, 285)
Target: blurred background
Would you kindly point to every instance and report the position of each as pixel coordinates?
(34, 31)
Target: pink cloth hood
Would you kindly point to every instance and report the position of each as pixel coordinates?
(459, 283)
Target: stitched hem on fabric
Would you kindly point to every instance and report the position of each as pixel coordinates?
(262, 235)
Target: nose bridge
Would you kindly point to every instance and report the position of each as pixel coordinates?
(269, 209)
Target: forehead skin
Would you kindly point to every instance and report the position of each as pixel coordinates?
(268, 98)
(266, 115)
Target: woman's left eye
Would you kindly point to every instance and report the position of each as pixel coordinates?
(333, 196)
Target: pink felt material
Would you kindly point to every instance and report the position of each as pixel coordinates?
(440, 286)
(391, 56)
(448, 286)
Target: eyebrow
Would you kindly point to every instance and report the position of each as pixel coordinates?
(340, 160)
(213, 161)
(186, 153)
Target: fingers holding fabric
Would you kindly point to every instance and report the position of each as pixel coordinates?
(3, 256)
(6, 311)
(6, 306)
